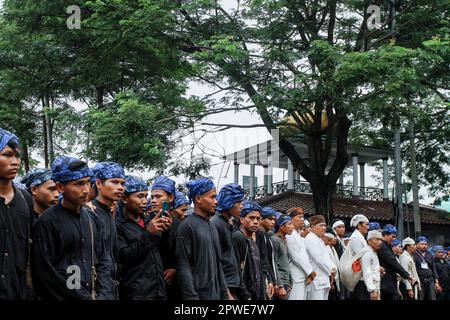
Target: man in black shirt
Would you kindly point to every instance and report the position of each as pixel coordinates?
(426, 269)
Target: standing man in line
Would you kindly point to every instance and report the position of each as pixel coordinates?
(229, 204)
(409, 292)
(69, 262)
(16, 211)
(249, 256)
(42, 188)
(199, 266)
(370, 266)
(299, 262)
(320, 259)
(389, 289)
(338, 228)
(110, 185)
(426, 268)
(443, 271)
(180, 206)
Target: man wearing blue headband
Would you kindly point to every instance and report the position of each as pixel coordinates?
(42, 189)
(69, 262)
(426, 268)
(199, 266)
(139, 255)
(16, 209)
(110, 185)
(283, 227)
(391, 265)
(180, 206)
(249, 256)
(229, 204)
(264, 240)
(443, 271)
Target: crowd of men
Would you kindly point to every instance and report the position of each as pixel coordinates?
(80, 233)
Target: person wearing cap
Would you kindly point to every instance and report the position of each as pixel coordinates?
(388, 260)
(199, 266)
(180, 206)
(409, 291)
(426, 268)
(16, 210)
(163, 190)
(330, 240)
(283, 227)
(299, 265)
(374, 226)
(443, 271)
(141, 267)
(356, 244)
(306, 230)
(229, 204)
(250, 258)
(370, 267)
(42, 188)
(69, 261)
(320, 259)
(338, 228)
(264, 241)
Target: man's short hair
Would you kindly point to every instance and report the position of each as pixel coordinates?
(13, 145)
(295, 211)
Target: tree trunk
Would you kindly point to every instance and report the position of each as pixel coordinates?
(415, 187)
(44, 127)
(49, 126)
(26, 156)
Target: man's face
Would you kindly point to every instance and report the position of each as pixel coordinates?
(422, 246)
(363, 227)
(45, 194)
(439, 254)
(235, 211)
(327, 241)
(135, 202)
(157, 197)
(207, 201)
(9, 163)
(305, 231)
(111, 189)
(268, 223)
(397, 250)
(180, 212)
(375, 243)
(75, 192)
(340, 230)
(389, 238)
(319, 229)
(287, 228)
(298, 222)
(250, 221)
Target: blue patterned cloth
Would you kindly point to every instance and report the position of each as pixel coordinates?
(180, 199)
(389, 228)
(283, 219)
(438, 248)
(67, 169)
(165, 184)
(198, 187)
(395, 243)
(248, 207)
(36, 177)
(134, 184)
(108, 170)
(422, 239)
(228, 196)
(268, 212)
(6, 137)
(374, 226)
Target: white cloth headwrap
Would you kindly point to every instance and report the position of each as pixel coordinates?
(374, 234)
(407, 241)
(357, 219)
(337, 224)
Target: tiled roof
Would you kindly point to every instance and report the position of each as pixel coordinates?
(347, 208)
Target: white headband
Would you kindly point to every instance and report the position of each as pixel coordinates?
(357, 219)
(337, 224)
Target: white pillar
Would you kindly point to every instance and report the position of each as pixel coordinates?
(236, 173)
(290, 175)
(355, 175)
(252, 181)
(269, 175)
(385, 179)
(361, 173)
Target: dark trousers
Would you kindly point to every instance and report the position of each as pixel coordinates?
(360, 292)
(427, 292)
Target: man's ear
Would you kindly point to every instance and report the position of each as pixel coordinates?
(124, 199)
(33, 191)
(60, 187)
(170, 199)
(98, 183)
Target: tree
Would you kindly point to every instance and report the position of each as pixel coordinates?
(310, 60)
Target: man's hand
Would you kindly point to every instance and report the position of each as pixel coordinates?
(156, 224)
(167, 221)
(275, 290)
(374, 295)
(411, 293)
(382, 271)
(411, 280)
(230, 297)
(169, 274)
(437, 287)
(282, 294)
(270, 290)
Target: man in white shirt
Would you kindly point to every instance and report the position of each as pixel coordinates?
(301, 270)
(329, 238)
(370, 266)
(409, 292)
(320, 259)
